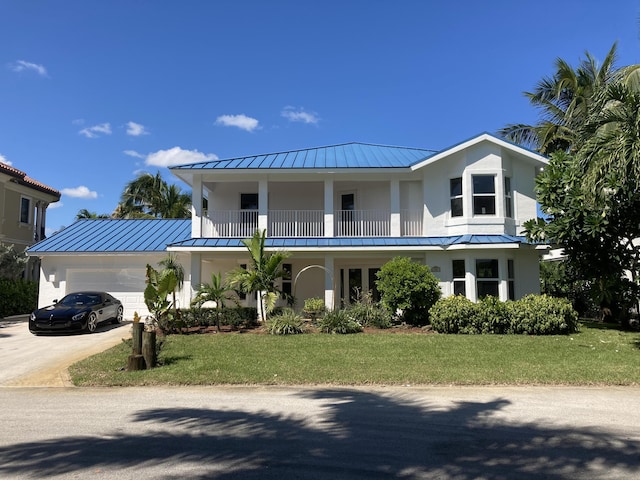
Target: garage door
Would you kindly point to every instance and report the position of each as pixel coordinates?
(126, 284)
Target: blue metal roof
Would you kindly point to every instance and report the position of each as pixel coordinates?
(357, 242)
(348, 155)
(115, 236)
(151, 235)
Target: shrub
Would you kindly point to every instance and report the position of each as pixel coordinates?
(314, 307)
(409, 287)
(339, 321)
(17, 297)
(533, 315)
(542, 315)
(456, 314)
(287, 323)
(370, 314)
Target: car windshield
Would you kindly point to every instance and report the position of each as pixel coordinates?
(80, 299)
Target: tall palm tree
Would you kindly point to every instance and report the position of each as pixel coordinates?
(262, 274)
(84, 214)
(149, 196)
(564, 101)
(171, 265)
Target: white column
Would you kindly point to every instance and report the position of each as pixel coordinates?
(328, 208)
(196, 207)
(395, 208)
(329, 293)
(196, 273)
(263, 205)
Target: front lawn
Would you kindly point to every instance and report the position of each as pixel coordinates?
(596, 355)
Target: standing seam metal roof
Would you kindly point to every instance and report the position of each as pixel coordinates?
(348, 155)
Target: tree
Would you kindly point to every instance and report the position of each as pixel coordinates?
(217, 291)
(86, 214)
(12, 262)
(410, 287)
(160, 285)
(564, 101)
(261, 275)
(149, 196)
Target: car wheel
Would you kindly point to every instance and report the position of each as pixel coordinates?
(118, 318)
(92, 322)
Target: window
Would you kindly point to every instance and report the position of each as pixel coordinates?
(248, 201)
(459, 273)
(487, 278)
(455, 189)
(511, 280)
(241, 294)
(286, 281)
(508, 199)
(484, 195)
(25, 209)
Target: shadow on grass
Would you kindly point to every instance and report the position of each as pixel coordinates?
(357, 435)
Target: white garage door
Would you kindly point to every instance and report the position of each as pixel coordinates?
(126, 284)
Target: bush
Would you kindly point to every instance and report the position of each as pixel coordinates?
(532, 315)
(455, 314)
(370, 314)
(241, 317)
(339, 321)
(409, 287)
(542, 315)
(17, 297)
(314, 307)
(287, 323)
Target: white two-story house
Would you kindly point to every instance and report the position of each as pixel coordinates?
(341, 211)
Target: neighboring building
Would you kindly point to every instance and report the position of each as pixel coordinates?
(342, 211)
(23, 208)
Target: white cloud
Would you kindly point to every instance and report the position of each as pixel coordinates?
(54, 205)
(241, 121)
(177, 156)
(5, 160)
(96, 130)
(135, 129)
(134, 154)
(299, 115)
(21, 66)
(79, 192)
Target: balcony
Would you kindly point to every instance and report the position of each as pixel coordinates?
(310, 223)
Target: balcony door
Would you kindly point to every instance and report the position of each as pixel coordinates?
(348, 226)
(248, 213)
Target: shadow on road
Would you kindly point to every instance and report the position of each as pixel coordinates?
(358, 435)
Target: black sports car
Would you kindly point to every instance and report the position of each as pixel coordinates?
(79, 311)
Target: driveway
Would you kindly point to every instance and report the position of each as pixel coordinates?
(29, 360)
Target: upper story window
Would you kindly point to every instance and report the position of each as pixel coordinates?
(248, 201)
(508, 198)
(455, 189)
(25, 209)
(484, 195)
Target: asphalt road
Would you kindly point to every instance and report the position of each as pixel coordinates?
(459, 433)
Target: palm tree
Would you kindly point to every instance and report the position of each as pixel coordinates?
(170, 264)
(84, 214)
(261, 276)
(217, 291)
(564, 101)
(149, 196)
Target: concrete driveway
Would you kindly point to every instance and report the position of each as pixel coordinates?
(29, 360)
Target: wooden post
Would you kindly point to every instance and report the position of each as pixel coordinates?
(136, 335)
(149, 349)
(135, 362)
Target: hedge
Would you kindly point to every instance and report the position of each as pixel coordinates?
(532, 315)
(17, 297)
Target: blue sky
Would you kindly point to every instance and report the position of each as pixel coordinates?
(94, 92)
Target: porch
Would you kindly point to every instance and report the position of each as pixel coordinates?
(312, 223)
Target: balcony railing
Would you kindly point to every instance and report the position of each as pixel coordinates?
(309, 223)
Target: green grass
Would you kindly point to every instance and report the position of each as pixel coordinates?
(595, 356)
